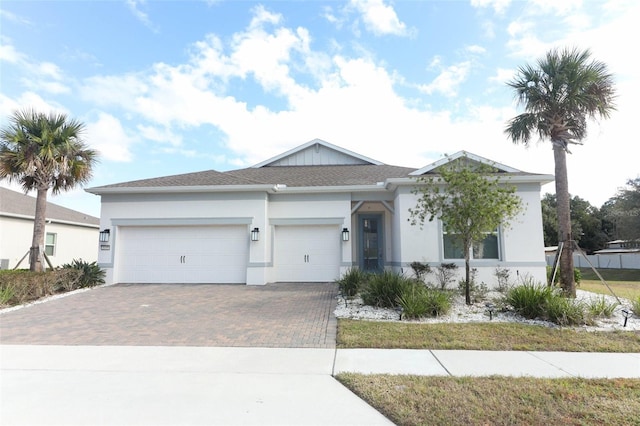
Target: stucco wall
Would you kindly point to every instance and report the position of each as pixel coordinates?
(522, 246)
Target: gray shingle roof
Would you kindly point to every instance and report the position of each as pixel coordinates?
(17, 203)
(206, 178)
(292, 176)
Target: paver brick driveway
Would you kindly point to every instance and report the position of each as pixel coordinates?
(283, 315)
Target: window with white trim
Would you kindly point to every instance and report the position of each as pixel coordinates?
(50, 244)
(486, 249)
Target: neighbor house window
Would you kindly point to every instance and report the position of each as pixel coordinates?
(486, 249)
(50, 244)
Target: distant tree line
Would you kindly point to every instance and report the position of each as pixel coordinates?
(592, 227)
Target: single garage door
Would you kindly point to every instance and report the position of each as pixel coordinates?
(307, 253)
(182, 254)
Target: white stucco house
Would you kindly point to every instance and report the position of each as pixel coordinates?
(306, 215)
(69, 234)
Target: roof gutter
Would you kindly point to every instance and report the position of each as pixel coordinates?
(177, 189)
(541, 179)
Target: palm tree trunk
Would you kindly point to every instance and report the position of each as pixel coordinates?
(37, 243)
(564, 219)
(467, 272)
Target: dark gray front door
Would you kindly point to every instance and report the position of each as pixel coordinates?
(371, 245)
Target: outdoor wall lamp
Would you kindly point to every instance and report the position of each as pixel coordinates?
(255, 234)
(104, 236)
(345, 234)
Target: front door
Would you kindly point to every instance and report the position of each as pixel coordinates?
(371, 247)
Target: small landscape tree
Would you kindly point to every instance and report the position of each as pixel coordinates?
(471, 200)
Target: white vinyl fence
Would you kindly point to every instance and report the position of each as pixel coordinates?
(604, 261)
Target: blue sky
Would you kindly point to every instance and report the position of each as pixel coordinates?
(168, 87)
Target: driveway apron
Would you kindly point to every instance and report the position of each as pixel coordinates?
(283, 315)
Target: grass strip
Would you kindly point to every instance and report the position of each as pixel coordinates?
(414, 400)
(627, 289)
(611, 274)
(481, 336)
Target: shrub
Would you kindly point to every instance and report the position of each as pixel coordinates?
(91, 276)
(503, 278)
(478, 292)
(383, 289)
(564, 311)
(351, 282)
(635, 306)
(600, 308)
(420, 270)
(445, 274)
(418, 301)
(529, 299)
(6, 295)
(22, 286)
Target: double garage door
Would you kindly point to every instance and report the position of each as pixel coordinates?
(182, 254)
(220, 254)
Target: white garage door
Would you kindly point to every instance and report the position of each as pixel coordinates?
(182, 254)
(307, 253)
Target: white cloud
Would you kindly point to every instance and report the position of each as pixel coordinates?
(14, 18)
(108, 137)
(449, 79)
(499, 6)
(8, 52)
(48, 69)
(502, 75)
(45, 76)
(261, 16)
(330, 16)
(113, 90)
(476, 49)
(53, 87)
(159, 134)
(28, 100)
(519, 27)
(380, 18)
(564, 7)
(134, 7)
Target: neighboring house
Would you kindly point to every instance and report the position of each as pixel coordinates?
(69, 234)
(619, 254)
(306, 215)
(621, 246)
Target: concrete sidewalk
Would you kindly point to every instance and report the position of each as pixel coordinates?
(141, 385)
(138, 385)
(488, 363)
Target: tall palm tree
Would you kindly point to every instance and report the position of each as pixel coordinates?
(560, 94)
(41, 152)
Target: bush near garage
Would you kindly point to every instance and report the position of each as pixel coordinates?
(92, 274)
(23, 286)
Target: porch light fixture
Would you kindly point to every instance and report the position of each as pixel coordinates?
(104, 236)
(255, 234)
(345, 234)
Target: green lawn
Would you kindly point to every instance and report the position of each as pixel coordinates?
(413, 400)
(623, 282)
(481, 336)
